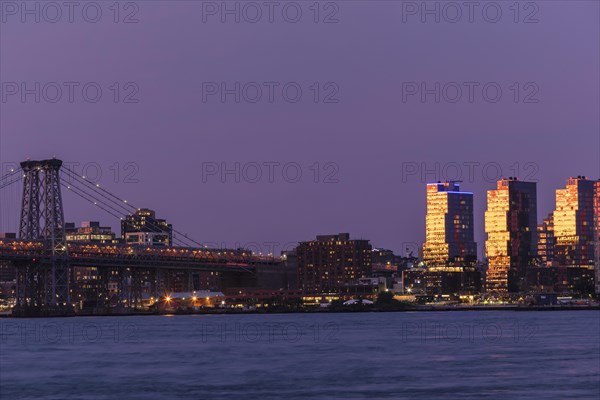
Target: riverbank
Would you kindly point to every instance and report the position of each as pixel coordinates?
(346, 309)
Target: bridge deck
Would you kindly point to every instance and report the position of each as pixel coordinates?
(92, 254)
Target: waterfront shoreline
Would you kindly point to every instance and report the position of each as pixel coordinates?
(319, 311)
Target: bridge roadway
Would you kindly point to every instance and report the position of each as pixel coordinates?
(138, 256)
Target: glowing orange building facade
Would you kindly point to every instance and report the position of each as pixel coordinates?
(575, 223)
(511, 227)
(449, 233)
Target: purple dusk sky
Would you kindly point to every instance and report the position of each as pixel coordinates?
(372, 134)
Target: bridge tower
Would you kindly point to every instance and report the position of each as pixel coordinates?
(30, 202)
(45, 283)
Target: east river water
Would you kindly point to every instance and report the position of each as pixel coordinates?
(402, 355)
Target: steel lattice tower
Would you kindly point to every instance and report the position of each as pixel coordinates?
(30, 206)
(45, 284)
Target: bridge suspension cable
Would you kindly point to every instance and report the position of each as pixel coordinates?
(84, 195)
(97, 194)
(74, 178)
(9, 199)
(9, 178)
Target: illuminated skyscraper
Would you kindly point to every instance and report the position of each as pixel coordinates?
(449, 233)
(574, 223)
(511, 227)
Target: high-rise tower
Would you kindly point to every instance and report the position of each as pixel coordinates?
(574, 223)
(511, 227)
(449, 233)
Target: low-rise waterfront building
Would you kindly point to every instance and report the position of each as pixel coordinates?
(332, 262)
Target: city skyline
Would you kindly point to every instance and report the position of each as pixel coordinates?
(149, 259)
(83, 212)
(378, 144)
(433, 189)
(288, 199)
